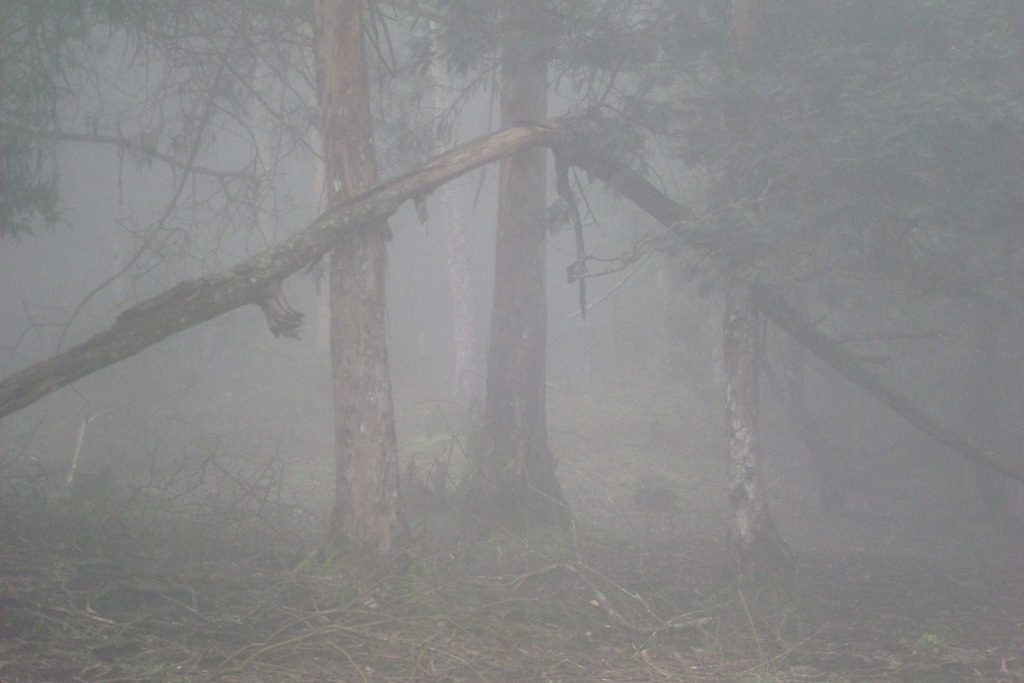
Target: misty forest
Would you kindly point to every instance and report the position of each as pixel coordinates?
(511, 340)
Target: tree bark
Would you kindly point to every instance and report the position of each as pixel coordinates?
(468, 376)
(452, 197)
(366, 449)
(758, 549)
(513, 479)
(741, 341)
(753, 537)
(255, 279)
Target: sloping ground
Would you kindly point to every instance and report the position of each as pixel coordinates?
(633, 594)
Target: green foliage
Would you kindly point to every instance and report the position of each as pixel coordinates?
(64, 62)
(33, 60)
(887, 133)
(43, 44)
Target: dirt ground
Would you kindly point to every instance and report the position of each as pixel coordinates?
(98, 593)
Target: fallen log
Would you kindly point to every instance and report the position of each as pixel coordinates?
(577, 141)
(786, 316)
(779, 311)
(257, 279)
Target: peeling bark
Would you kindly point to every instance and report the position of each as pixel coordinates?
(757, 547)
(755, 541)
(741, 341)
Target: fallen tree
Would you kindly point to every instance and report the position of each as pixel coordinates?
(787, 317)
(256, 280)
(779, 311)
(577, 141)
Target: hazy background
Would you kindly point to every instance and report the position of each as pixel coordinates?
(635, 387)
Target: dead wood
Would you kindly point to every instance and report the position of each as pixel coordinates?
(577, 141)
(198, 300)
(782, 313)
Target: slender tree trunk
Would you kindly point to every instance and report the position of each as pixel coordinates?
(468, 376)
(514, 478)
(752, 535)
(322, 318)
(257, 279)
(452, 198)
(192, 302)
(756, 544)
(366, 452)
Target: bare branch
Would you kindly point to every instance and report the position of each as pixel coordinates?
(137, 147)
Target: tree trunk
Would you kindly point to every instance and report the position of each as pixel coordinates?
(513, 480)
(253, 280)
(452, 197)
(468, 376)
(786, 316)
(366, 451)
(757, 547)
(755, 542)
(257, 279)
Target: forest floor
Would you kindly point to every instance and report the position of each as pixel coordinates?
(95, 592)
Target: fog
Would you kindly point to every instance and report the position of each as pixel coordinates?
(643, 473)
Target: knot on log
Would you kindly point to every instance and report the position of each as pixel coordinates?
(282, 319)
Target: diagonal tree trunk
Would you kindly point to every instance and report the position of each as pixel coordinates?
(366, 450)
(513, 480)
(756, 543)
(786, 316)
(582, 151)
(452, 198)
(255, 279)
(831, 491)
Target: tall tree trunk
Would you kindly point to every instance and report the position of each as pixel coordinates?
(468, 381)
(513, 480)
(757, 546)
(258, 278)
(366, 452)
(452, 198)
